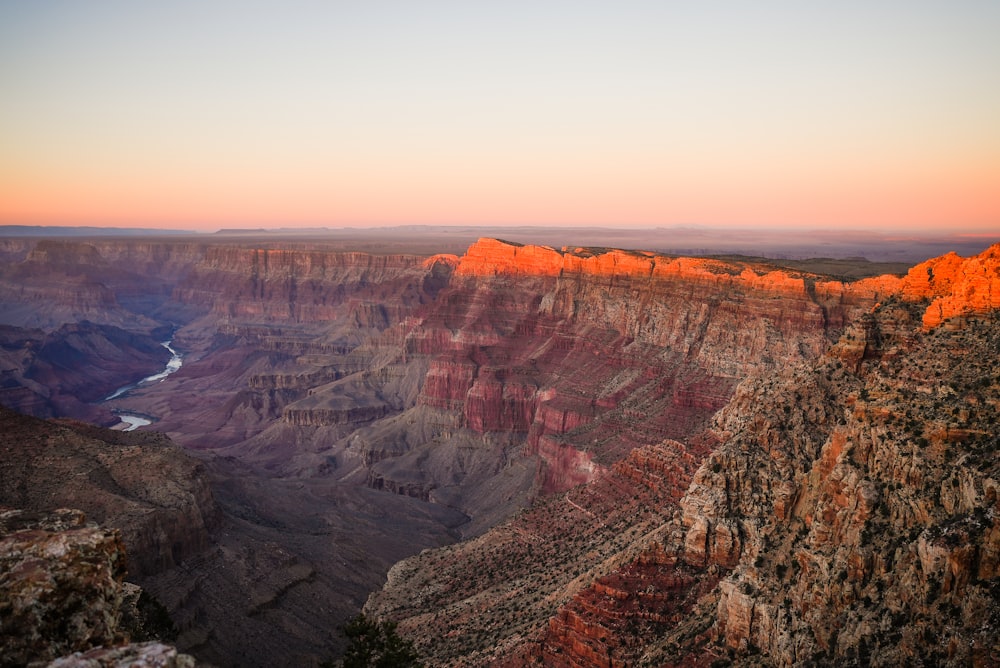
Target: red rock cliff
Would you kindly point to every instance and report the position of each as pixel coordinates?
(955, 286)
(602, 351)
(848, 516)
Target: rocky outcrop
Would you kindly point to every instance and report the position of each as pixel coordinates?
(841, 495)
(60, 589)
(868, 523)
(62, 595)
(955, 286)
(140, 482)
(141, 655)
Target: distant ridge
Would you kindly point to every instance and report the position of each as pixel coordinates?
(73, 231)
(774, 244)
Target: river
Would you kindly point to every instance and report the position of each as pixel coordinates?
(136, 421)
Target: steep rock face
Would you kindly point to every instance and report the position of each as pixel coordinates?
(604, 625)
(843, 510)
(61, 274)
(297, 285)
(139, 482)
(120, 283)
(955, 286)
(866, 504)
(722, 313)
(584, 355)
(60, 585)
(478, 602)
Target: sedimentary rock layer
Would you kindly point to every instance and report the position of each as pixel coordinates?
(844, 510)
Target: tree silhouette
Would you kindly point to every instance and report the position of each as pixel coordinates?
(374, 644)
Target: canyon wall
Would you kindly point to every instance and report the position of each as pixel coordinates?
(868, 532)
(590, 354)
(522, 370)
(840, 510)
(303, 286)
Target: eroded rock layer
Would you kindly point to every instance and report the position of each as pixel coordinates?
(140, 482)
(842, 510)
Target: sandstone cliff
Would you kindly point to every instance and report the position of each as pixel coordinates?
(863, 503)
(841, 510)
(583, 355)
(51, 282)
(955, 286)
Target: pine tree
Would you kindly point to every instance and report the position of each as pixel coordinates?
(374, 644)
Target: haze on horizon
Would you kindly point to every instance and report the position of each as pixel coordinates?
(853, 116)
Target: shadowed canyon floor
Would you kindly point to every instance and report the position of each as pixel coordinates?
(572, 413)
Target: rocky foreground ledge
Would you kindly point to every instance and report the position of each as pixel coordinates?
(63, 599)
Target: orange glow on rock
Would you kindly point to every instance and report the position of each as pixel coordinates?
(956, 285)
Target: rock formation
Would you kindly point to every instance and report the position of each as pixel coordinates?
(842, 510)
(137, 481)
(62, 595)
(955, 286)
(153, 654)
(61, 585)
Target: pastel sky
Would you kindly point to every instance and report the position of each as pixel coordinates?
(204, 115)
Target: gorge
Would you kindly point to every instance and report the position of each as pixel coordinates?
(133, 422)
(564, 456)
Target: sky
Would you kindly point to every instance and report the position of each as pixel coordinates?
(878, 115)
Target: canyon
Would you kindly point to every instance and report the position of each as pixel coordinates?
(566, 456)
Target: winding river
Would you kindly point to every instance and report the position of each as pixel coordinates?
(136, 421)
